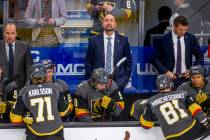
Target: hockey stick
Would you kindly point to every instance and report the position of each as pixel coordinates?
(111, 78)
(117, 66)
(119, 63)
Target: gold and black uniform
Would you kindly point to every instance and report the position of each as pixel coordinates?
(122, 11)
(177, 114)
(200, 95)
(46, 104)
(88, 100)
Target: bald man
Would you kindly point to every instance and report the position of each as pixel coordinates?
(99, 55)
(15, 56)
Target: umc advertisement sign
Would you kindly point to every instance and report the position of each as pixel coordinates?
(70, 65)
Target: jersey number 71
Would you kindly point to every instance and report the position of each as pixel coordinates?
(40, 102)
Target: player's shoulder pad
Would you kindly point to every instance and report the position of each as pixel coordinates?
(22, 91)
(11, 86)
(140, 103)
(82, 84)
(82, 88)
(57, 87)
(114, 85)
(183, 92)
(143, 101)
(62, 83)
(184, 86)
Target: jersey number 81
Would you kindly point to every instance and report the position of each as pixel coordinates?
(169, 111)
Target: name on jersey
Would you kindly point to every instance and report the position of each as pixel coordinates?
(167, 98)
(41, 91)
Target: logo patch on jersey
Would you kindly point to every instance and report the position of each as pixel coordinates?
(143, 102)
(96, 109)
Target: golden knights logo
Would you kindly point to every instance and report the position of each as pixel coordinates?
(96, 109)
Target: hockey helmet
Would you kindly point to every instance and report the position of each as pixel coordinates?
(38, 72)
(196, 70)
(48, 64)
(100, 76)
(164, 82)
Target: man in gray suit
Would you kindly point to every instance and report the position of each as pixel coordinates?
(45, 17)
(15, 56)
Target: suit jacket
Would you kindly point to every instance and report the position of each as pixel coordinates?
(163, 55)
(22, 61)
(95, 57)
(34, 13)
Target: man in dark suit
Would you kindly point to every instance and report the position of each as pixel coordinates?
(164, 14)
(15, 56)
(174, 51)
(106, 49)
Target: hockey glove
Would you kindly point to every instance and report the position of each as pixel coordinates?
(201, 97)
(3, 107)
(28, 119)
(108, 103)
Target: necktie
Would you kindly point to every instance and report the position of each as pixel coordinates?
(11, 60)
(108, 65)
(46, 6)
(179, 57)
